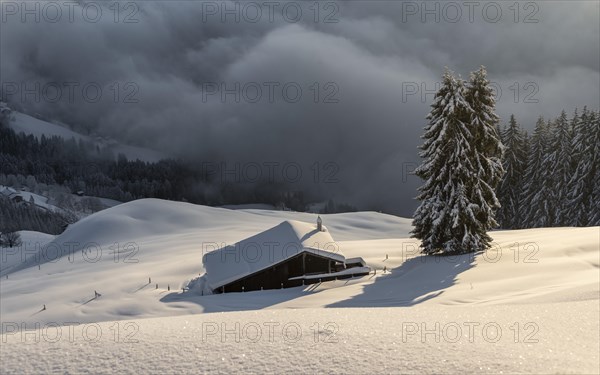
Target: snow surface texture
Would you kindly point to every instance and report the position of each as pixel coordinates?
(538, 288)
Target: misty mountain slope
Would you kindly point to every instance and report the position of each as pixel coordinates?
(36, 127)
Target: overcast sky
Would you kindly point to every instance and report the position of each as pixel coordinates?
(364, 63)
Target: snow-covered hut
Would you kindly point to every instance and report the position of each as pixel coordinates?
(290, 254)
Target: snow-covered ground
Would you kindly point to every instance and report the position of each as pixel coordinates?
(528, 305)
(11, 258)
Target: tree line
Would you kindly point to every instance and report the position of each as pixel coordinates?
(16, 216)
(553, 176)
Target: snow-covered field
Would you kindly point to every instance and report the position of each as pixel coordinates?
(528, 305)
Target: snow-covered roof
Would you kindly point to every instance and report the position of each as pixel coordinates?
(5, 190)
(266, 249)
(354, 260)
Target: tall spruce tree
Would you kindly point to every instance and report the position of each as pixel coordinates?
(558, 160)
(521, 222)
(488, 149)
(581, 184)
(537, 211)
(444, 134)
(594, 201)
(574, 127)
(456, 207)
(515, 162)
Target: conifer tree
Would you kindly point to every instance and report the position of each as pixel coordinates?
(515, 162)
(459, 169)
(487, 148)
(574, 127)
(594, 201)
(526, 151)
(431, 219)
(558, 160)
(536, 210)
(581, 184)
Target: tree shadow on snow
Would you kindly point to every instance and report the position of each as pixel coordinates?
(417, 280)
(254, 300)
(196, 293)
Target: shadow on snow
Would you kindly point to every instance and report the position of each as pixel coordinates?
(254, 300)
(417, 280)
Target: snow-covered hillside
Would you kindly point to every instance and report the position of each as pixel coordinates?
(11, 258)
(36, 199)
(539, 286)
(77, 207)
(31, 125)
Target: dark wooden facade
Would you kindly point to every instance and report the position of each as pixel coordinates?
(278, 275)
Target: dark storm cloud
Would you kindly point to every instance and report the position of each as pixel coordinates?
(364, 54)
